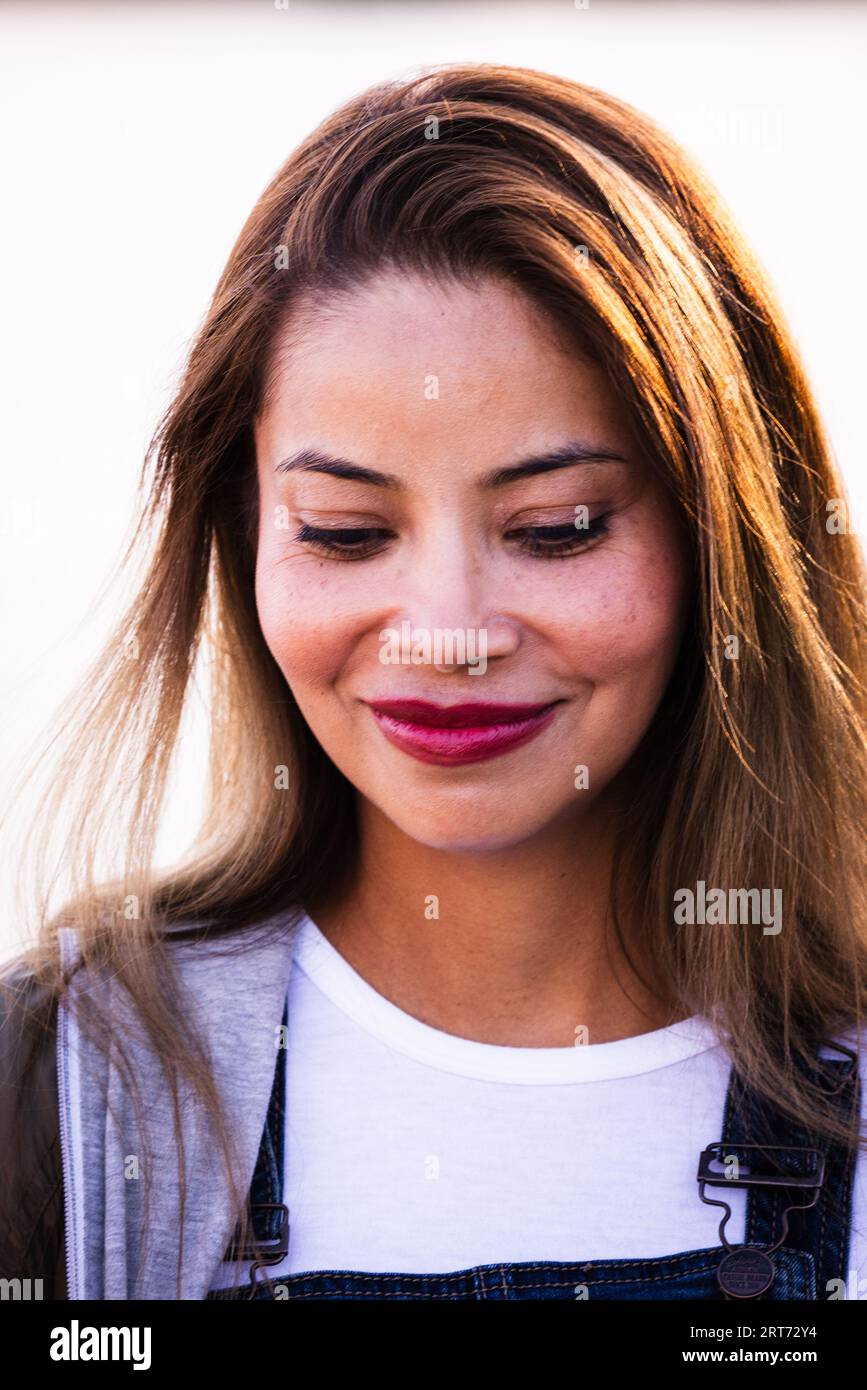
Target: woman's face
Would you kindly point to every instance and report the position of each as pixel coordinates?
(539, 585)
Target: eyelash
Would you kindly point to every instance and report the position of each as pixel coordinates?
(563, 540)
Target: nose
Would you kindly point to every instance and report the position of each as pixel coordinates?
(488, 641)
(450, 610)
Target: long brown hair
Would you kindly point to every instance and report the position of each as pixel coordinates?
(754, 770)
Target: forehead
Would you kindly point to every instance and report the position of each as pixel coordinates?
(402, 353)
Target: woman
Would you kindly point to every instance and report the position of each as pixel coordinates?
(496, 497)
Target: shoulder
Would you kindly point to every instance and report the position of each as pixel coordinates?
(31, 1194)
(28, 1020)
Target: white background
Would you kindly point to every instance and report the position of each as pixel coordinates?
(137, 139)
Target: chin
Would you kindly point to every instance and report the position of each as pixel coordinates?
(471, 844)
(465, 830)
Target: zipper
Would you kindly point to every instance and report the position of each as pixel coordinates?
(65, 1148)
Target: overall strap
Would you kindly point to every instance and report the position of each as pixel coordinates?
(269, 1218)
(821, 1230)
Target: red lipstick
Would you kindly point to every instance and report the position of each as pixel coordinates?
(456, 734)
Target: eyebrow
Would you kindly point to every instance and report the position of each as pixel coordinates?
(573, 452)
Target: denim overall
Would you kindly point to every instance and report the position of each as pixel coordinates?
(799, 1203)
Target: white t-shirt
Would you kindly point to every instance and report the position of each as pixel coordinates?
(411, 1150)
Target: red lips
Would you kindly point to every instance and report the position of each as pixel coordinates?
(475, 715)
(449, 735)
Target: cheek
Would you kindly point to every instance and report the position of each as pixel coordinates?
(290, 625)
(627, 618)
(307, 624)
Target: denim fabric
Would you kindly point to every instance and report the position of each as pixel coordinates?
(814, 1248)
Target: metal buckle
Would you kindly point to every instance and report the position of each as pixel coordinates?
(748, 1271)
(268, 1252)
(279, 1244)
(777, 1178)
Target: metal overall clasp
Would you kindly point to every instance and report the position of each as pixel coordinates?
(266, 1252)
(748, 1271)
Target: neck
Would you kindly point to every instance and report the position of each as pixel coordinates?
(509, 946)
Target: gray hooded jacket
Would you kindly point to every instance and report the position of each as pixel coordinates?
(236, 1002)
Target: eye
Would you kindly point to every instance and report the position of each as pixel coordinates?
(349, 542)
(554, 542)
